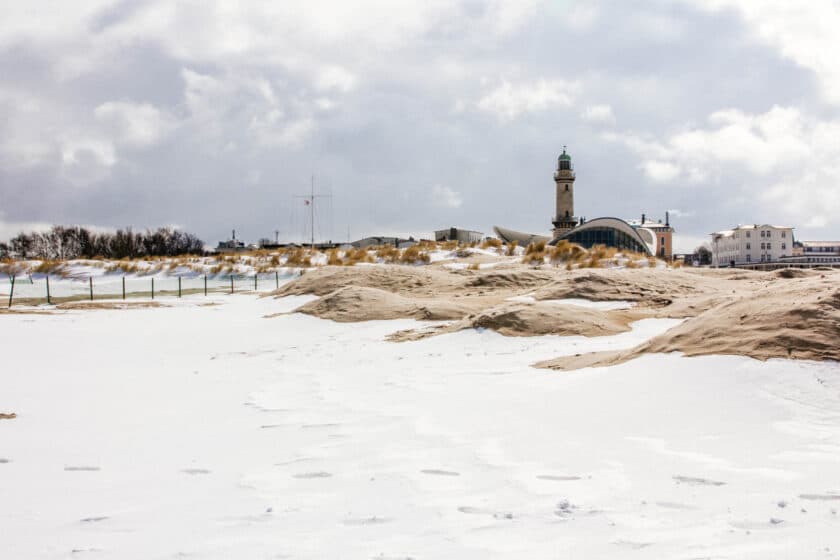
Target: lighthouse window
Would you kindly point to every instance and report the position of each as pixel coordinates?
(567, 187)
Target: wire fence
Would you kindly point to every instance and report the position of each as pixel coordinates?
(39, 289)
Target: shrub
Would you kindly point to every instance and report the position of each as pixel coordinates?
(388, 253)
(333, 258)
(538, 247)
(534, 257)
(511, 248)
(413, 255)
(295, 257)
(354, 256)
(47, 266)
(491, 242)
(565, 251)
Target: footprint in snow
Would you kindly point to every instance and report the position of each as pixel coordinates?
(823, 497)
(317, 474)
(695, 481)
(484, 511)
(81, 468)
(94, 519)
(439, 472)
(374, 520)
(195, 471)
(557, 478)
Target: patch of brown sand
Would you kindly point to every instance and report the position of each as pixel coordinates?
(354, 303)
(533, 319)
(784, 314)
(392, 278)
(796, 318)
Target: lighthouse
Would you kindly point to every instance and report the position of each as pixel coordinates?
(564, 178)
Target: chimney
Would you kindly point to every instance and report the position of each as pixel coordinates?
(667, 218)
(233, 234)
(643, 219)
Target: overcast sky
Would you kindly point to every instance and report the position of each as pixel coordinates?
(414, 116)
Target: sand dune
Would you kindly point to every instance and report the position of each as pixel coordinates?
(783, 314)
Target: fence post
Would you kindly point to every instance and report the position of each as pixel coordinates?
(255, 281)
(179, 286)
(277, 279)
(205, 284)
(153, 287)
(123, 287)
(90, 281)
(12, 290)
(48, 289)
(231, 283)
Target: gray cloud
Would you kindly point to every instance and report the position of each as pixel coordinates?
(415, 118)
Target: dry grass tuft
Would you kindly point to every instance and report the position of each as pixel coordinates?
(511, 248)
(413, 255)
(354, 256)
(47, 267)
(333, 258)
(388, 253)
(491, 242)
(566, 251)
(534, 258)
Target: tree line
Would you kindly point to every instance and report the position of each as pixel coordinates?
(74, 242)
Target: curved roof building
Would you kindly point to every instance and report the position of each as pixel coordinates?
(648, 237)
(612, 232)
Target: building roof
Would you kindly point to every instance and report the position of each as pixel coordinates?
(564, 155)
(728, 232)
(820, 243)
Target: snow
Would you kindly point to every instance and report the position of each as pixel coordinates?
(579, 302)
(213, 432)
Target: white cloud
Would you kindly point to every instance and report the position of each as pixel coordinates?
(134, 124)
(804, 33)
(446, 197)
(660, 171)
(335, 78)
(783, 161)
(599, 114)
(582, 16)
(508, 101)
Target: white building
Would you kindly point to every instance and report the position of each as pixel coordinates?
(751, 244)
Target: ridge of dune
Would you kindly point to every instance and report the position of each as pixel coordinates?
(358, 303)
(781, 314)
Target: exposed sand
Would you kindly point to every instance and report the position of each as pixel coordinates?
(783, 314)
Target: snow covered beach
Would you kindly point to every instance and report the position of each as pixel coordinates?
(211, 431)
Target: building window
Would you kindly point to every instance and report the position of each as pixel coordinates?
(762, 246)
(748, 246)
(768, 247)
(784, 234)
(784, 245)
(748, 234)
(749, 258)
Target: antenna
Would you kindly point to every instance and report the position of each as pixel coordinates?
(309, 200)
(277, 237)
